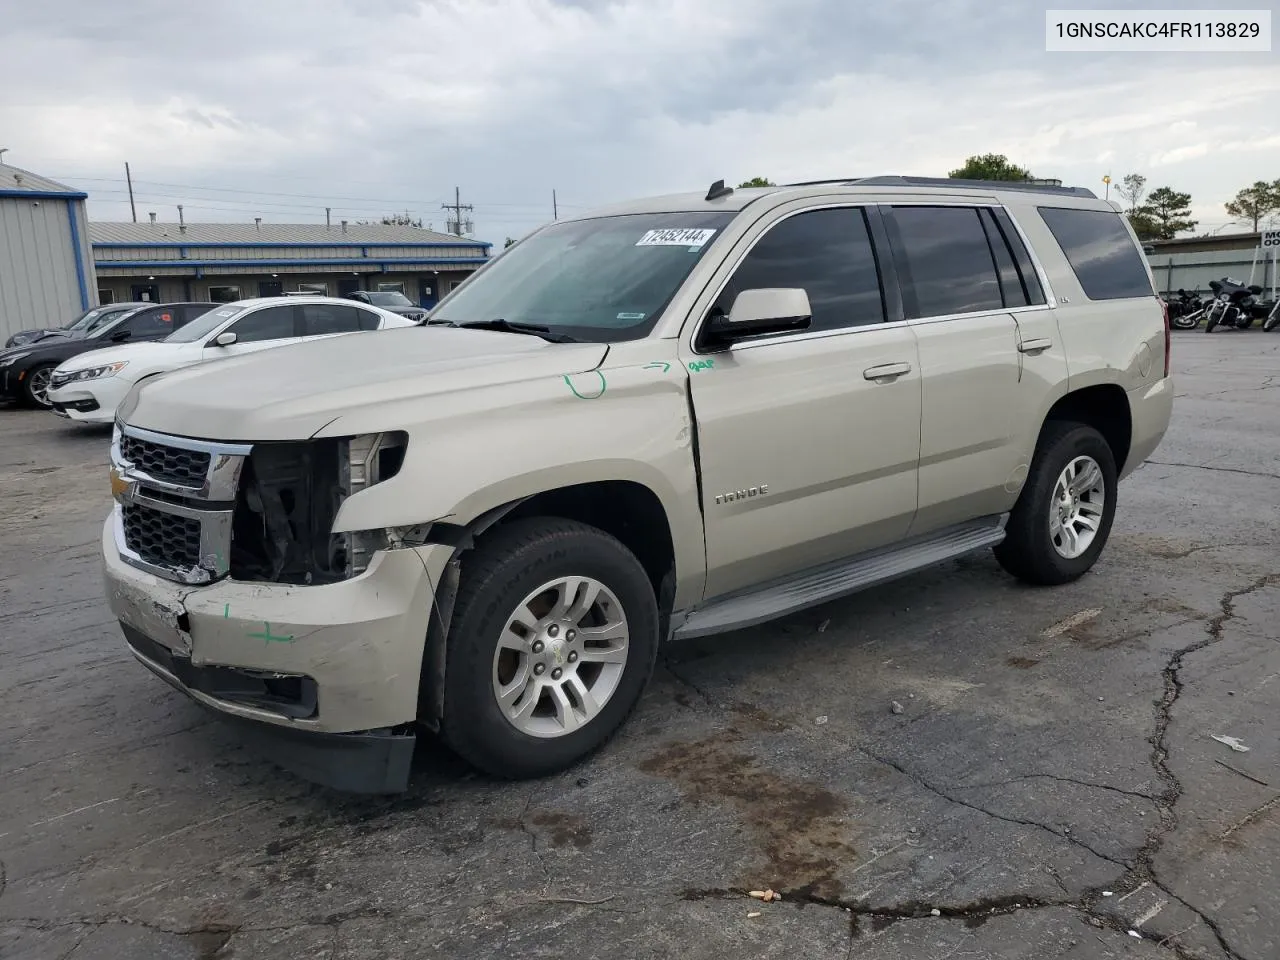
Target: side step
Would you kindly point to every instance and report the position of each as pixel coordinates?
(821, 584)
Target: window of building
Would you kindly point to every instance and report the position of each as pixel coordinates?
(224, 294)
(314, 289)
(1105, 259)
(391, 286)
(105, 296)
(828, 253)
(269, 323)
(944, 262)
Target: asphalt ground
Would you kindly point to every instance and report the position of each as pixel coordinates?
(1050, 787)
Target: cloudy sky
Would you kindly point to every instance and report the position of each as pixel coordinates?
(278, 108)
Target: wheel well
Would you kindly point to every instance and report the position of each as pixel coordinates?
(1106, 409)
(626, 510)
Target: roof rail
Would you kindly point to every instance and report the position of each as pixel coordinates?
(890, 180)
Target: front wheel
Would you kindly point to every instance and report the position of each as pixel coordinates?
(553, 639)
(1273, 319)
(35, 386)
(1211, 319)
(1063, 516)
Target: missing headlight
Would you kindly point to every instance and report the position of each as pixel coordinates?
(290, 494)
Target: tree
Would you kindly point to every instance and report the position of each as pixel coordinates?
(1132, 188)
(1168, 211)
(1256, 203)
(990, 166)
(756, 182)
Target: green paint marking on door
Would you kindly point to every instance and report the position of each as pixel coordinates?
(696, 365)
(657, 365)
(226, 611)
(603, 386)
(266, 636)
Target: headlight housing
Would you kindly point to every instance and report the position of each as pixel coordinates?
(11, 358)
(290, 494)
(62, 378)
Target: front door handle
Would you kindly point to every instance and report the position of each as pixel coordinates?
(886, 371)
(1035, 346)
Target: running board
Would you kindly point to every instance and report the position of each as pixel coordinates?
(830, 581)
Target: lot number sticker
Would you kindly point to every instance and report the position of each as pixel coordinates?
(675, 237)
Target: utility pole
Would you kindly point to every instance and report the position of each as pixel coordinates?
(457, 226)
(129, 179)
(555, 210)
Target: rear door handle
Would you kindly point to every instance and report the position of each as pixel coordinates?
(886, 371)
(1035, 346)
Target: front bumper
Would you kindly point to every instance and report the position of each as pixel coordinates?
(326, 676)
(91, 401)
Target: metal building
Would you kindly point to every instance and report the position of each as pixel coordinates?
(230, 261)
(46, 265)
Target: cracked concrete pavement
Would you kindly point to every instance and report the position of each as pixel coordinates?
(1050, 785)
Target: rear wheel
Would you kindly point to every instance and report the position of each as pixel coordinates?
(553, 639)
(35, 386)
(1063, 516)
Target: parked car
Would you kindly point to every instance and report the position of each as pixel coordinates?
(390, 300)
(666, 419)
(25, 372)
(90, 320)
(88, 388)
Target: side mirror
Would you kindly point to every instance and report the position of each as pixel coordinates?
(120, 336)
(762, 312)
(225, 339)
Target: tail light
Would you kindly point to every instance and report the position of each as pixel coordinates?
(1168, 338)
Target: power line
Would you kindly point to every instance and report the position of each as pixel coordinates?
(298, 196)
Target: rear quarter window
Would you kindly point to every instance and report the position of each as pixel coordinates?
(1103, 256)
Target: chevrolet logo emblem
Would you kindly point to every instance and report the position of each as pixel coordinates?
(119, 485)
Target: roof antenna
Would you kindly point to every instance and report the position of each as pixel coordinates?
(718, 190)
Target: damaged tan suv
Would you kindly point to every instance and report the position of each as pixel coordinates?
(671, 418)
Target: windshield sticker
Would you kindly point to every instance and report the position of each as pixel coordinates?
(695, 239)
(226, 313)
(631, 316)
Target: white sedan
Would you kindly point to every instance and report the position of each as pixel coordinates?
(89, 387)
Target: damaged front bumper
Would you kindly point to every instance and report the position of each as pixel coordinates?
(325, 677)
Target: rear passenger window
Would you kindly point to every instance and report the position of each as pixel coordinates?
(829, 254)
(324, 318)
(369, 321)
(1104, 257)
(944, 261)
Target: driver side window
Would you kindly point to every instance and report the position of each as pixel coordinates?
(157, 322)
(828, 253)
(269, 323)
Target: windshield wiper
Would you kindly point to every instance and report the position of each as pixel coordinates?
(506, 326)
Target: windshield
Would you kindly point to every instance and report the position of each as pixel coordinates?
(203, 325)
(98, 317)
(388, 299)
(605, 279)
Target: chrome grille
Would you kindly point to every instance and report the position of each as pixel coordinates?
(174, 502)
(161, 538)
(183, 467)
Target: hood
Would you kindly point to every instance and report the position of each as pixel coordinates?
(291, 392)
(25, 337)
(120, 351)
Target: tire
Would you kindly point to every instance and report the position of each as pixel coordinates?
(507, 569)
(1186, 322)
(1210, 321)
(1273, 320)
(1029, 551)
(36, 375)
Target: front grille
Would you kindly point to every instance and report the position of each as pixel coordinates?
(164, 539)
(186, 468)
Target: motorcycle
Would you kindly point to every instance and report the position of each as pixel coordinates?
(1186, 312)
(1273, 318)
(1232, 305)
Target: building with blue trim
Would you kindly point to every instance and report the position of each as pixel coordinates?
(46, 264)
(165, 261)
